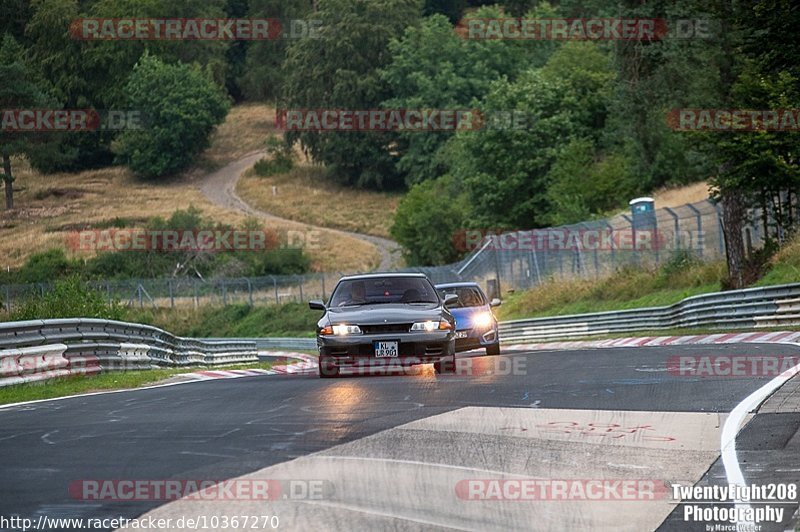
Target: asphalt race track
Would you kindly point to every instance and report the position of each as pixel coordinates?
(398, 451)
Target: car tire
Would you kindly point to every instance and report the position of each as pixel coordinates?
(493, 350)
(326, 369)
(447, 365)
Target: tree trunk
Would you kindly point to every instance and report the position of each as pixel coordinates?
(9, 180)
(733, 214)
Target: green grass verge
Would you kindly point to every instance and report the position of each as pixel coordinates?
(119, 380)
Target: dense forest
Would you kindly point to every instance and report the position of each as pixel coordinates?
(596, 129)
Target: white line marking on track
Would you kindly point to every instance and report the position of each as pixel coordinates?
(730, 460)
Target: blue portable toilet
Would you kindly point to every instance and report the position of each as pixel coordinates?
(643, 211)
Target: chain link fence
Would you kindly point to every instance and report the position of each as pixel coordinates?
(500, 261)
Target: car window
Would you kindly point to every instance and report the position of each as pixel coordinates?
(468, 296)
(373, 291)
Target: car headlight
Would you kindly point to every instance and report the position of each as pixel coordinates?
(430, 326)
(344, 330)
(482, 320)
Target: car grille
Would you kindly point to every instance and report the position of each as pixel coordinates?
(386, 328)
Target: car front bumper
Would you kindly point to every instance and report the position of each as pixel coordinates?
(413, 348)
(477, 339)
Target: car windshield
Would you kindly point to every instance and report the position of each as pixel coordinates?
(468, 296)
(383, 290)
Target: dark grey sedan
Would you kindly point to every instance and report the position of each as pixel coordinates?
(385, 320)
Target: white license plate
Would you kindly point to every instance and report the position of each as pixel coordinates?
(461, 334)
(385, 349)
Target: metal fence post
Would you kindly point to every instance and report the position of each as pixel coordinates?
(676, 221)
(171, 294)
(249, 291)
(275, 284)
(699, 217)
(720, 228)
(302, 280)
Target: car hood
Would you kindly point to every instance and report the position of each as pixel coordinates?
(380, 314)
(464, 316)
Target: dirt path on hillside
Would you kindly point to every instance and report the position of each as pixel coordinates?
(220, 188)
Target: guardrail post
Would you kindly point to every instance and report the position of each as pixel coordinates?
(224, 289)
(194, 290)
(8, 298)
(275, 285)
(249, 291)
(324, 297)
(171, 294)
(139, 292)
(302, 280)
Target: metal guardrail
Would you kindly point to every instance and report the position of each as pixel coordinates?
(43, 349)
(750, 308)
(271, 343)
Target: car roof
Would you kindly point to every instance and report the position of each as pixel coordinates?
(464, 284)
(383, 275)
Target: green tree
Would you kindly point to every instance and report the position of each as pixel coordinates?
(432, 67)
(506, 170)
(183, 106)
(340, 70)
(20, 89)
(261, 77)
(428, 221)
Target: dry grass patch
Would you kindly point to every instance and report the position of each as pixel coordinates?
(675, 197)
(244, 131)
(306, 195)
(43, 219)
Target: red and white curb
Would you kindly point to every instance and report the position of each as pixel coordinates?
(784, 337)
(305, 364)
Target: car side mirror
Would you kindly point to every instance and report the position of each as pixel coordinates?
(316, 305)
(495, 303)
(449, 299)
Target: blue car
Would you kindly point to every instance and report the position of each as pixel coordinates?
(476, 326)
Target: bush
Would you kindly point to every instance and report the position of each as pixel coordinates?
(279, 159)
(45, 267)
(68, 298)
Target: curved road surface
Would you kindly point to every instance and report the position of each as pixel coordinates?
(220, 188)
(402, 452)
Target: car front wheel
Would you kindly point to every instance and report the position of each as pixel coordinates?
(326, 368)
(447, 365)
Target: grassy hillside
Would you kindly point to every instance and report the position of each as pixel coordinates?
(49, 207)
(635, 288)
